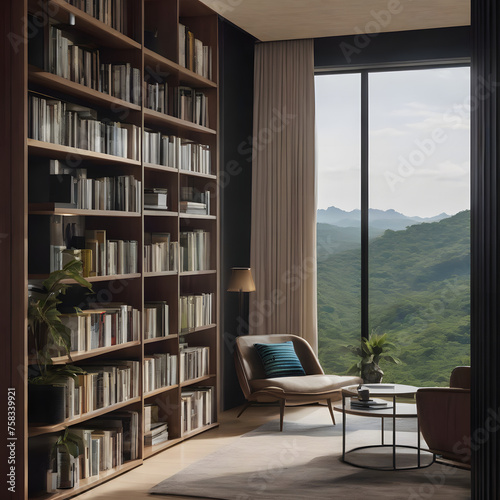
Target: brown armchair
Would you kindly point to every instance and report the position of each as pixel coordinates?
(314, 387)
(444, 418)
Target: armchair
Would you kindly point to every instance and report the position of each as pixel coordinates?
(313, 387)
(444, 417)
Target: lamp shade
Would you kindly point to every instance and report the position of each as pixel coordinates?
(241, 280)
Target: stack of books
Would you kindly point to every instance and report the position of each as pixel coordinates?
(155, 430)
(371, 404)
(155, 198)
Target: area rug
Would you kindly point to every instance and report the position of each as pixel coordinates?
(303, 462)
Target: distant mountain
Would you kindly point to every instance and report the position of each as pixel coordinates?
(380, 219)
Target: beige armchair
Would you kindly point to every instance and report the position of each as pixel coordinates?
(444, 418)
(314, 387)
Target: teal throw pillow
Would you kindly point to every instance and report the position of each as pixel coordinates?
(280, 360)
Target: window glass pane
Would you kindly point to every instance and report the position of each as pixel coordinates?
(338, 149)
(419, 219)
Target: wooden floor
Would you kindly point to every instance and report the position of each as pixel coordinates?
(134, 485)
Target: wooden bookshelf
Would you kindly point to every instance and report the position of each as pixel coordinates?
(116, 47)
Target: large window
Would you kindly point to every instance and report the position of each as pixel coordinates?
(394, 146)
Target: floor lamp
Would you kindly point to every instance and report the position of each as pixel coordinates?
(241, 281)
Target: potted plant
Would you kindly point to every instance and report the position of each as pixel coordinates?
(65, 452)
(50, 337)
(371, 351)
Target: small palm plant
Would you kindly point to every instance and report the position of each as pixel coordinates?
(45, 325)
(371, 351)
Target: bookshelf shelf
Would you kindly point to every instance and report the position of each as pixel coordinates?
(46, 429)
(69, 87)
(58, 152)
(79, 356)
(160, 168)
(149, 451)
(149, 301)
(157, 119)
(161, 390)
(197, 273)
(197, 174)
(199, 430)
(160, 213)
(197, 329)
(185, 75)
(160, 273)
(197, 216)
(161, 339)
(92, 279)
(100, 32)
(86, 484)
(194, 381)
(50, 209)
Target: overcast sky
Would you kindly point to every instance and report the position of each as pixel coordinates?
(419, 141)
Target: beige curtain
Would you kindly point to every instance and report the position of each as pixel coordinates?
(283, 244)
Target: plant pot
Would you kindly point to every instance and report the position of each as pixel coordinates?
(46, 404)
(372, 373)
(66, 469)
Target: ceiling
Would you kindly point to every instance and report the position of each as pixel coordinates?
(289, 19)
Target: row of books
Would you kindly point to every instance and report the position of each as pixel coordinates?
(172, 151)
(194, 362)
(71, 188)
(190, 105)
(109, 325)
(193, 54)
(110, 256)
(106, 443)
(156, 97)
(155, 429)
(160, 370)
(101, 386)
(122, 192)
(196, 409)
(114, 13)
(160, 254)
(77, 62)
(194, 250)
(156, 320)
(196, 310)
(67, 124)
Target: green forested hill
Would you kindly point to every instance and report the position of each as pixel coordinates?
(419, 295)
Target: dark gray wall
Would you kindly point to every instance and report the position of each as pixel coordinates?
(236, 123)
(402, 47)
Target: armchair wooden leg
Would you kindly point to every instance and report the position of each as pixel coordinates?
(282, 413)
(247, 404)
(329, 401)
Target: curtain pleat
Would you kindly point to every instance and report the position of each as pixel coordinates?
(283, 243)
